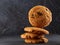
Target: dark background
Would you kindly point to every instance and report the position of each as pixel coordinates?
(13, 15)
(13, 19)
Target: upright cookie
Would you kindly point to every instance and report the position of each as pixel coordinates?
(36, 30)
(39, 16)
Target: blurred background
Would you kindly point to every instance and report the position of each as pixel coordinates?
(13, 15)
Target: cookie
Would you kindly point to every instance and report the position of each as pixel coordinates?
(43, 40)
(36, 30)
(40, 36)
(31, 36)
(39, 16)
(34, 41)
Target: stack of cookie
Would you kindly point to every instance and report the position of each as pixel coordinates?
(35, 35)
(39, 17)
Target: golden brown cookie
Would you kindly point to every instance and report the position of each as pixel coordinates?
(40, 36)
(31, 36)
(39, 16)
(43, 40)
(34, 41)
(36, 30)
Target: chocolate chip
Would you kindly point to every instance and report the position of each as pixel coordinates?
(32, 16)
(39, 13)
(46, 9)
(42, 21)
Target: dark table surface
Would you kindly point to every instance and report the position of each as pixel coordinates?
(16, 40)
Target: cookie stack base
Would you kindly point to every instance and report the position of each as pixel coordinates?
(43, 40)
(34, 35)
